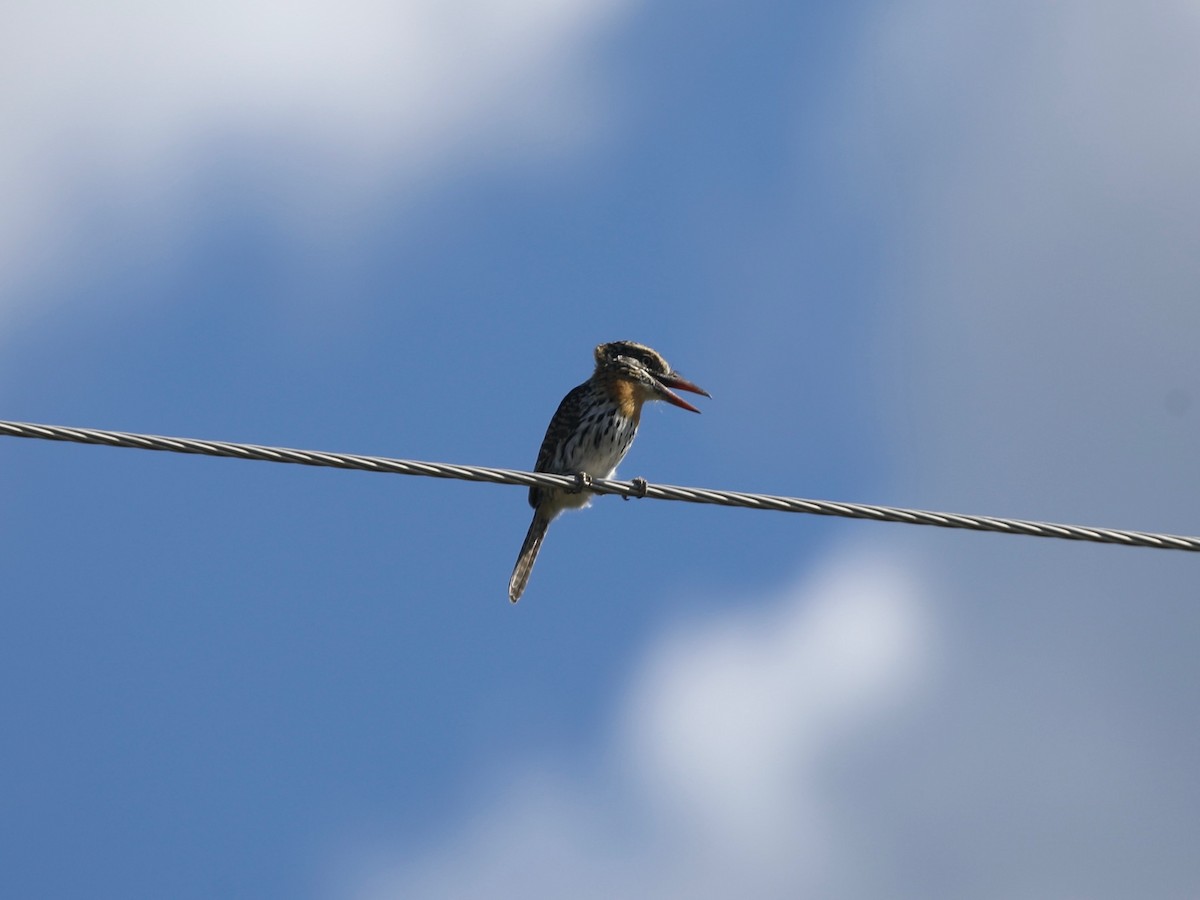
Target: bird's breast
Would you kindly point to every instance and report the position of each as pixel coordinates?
(599, 441)
(591, 433)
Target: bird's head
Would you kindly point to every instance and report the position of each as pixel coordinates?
(647, 369)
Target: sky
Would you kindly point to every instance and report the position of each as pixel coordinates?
(921, 253)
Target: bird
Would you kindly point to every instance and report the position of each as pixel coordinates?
(592, 431)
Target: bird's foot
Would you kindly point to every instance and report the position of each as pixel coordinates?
(639, 488)
(583, 481)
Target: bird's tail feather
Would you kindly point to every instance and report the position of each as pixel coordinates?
(529, 552)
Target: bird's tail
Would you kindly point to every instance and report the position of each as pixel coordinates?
(529, 552)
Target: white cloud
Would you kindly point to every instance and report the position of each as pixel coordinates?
(120, 102)
(732, 719)
(717, 776)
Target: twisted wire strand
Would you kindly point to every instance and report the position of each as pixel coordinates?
(636, 488)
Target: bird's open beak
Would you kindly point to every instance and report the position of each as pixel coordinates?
(666, 382)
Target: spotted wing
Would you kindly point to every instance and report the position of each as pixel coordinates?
(559, 431)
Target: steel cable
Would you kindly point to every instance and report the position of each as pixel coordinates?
(636, 488)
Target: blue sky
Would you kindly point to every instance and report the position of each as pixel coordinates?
(920, 253)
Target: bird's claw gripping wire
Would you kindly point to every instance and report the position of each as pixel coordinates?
(640, 485)
(583, 481)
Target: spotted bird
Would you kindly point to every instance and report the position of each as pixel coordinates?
(591, 432)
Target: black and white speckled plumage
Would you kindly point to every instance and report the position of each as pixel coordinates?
(589, 434)
(591, 431)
